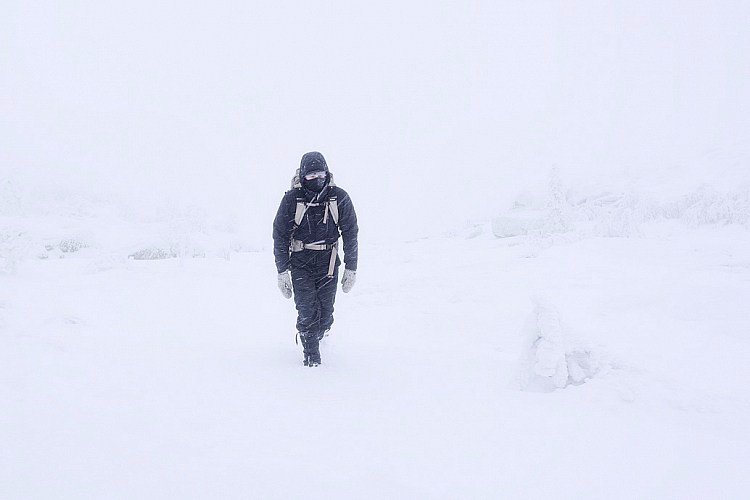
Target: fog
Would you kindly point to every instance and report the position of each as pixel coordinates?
(424, 110)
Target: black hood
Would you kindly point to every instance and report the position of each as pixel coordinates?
(312, 162)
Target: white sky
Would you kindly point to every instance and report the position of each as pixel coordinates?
(414, 104)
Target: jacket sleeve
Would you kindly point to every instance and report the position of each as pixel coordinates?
(283, 225)
(349, 230)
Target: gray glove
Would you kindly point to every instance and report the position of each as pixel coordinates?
(347, 282)
(285, 284)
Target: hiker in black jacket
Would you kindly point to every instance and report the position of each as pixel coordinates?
(306, 230)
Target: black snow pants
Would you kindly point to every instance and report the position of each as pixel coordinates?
(314, 291)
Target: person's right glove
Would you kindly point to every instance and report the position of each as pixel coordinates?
(347, 282)
(285, 284)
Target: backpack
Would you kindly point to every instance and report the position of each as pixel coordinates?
(331, 203)
(331, 207)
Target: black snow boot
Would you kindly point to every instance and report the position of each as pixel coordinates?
(311, 348)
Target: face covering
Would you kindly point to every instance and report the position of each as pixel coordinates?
(315, 183)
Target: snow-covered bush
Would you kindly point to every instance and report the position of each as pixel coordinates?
(49, 222)
(551, 358)
(71, 245)
(709, 206)
(559, 217)
(152, 253)
(570, 215)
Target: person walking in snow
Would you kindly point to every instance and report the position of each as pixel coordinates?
(311, 217)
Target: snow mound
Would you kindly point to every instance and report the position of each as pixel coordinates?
(551, 358)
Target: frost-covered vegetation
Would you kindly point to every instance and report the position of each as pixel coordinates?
(39, 222)
(568, 213)
(552, 357)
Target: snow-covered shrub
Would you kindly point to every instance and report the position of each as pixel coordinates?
(565, 215)
(152, 253)
(551, 358)
(186, 231)
(71, 245)
(559, 216)
(708, 206)
(56, 222)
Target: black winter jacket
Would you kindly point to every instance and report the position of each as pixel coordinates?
(313, 229)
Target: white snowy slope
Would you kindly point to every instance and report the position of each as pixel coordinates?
(457, 368)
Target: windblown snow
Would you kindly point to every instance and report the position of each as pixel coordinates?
(554, 250)
(601, 352)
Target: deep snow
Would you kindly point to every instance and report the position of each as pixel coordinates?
(583, 334)
(180, 377)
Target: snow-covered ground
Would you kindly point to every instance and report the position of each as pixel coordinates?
(552, 300)
(559, 364)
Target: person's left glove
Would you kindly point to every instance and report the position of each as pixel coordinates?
(347, 282)
(285, 284)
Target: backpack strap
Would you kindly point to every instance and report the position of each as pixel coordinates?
(333, 207)
(300, 212)
(332, 261)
